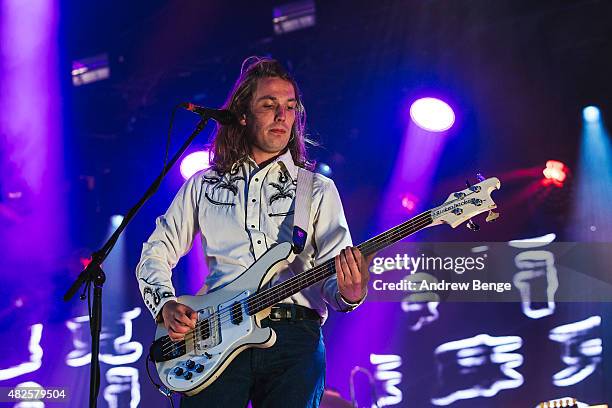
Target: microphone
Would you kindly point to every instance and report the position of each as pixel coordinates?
(223, 116)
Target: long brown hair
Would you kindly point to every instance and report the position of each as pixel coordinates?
(231, 142)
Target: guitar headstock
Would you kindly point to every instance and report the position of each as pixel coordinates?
(461, 206)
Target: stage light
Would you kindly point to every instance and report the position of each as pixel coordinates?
(432, 114)
(195, 162)
(85, 261)
(294, 16)
(324, 169)
(592, 179)
(555, 173)
(409, 202)
(591, 114)
(92, 69)
(116, 221)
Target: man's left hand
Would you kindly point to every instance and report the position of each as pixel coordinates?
(352, 273)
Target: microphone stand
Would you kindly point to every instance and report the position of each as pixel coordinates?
(93, 273)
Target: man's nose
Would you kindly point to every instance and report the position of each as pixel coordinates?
(280, 114)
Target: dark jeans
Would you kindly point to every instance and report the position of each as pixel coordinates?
(289, 374)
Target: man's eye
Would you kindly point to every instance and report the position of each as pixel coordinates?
(291, 107)
(268, 106)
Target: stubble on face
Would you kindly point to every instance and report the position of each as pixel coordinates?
(271, 118)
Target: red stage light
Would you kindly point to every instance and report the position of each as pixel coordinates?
(555, 173)
(85, 261)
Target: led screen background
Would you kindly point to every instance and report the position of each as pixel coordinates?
(516, 74)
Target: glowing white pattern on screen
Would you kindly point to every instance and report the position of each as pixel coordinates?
(533, 242)
(127, 351)
(581, 350)
(473, 355)
(29, 404)
(424, 313)
(535, 265)
(120, 380)
(36, 354)
(386, 365)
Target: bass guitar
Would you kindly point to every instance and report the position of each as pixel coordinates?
(229, 318)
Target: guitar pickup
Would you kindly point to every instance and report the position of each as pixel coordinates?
(236, 313)
(204, 329)
(207, 332)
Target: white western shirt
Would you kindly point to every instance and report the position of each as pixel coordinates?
(240, 215)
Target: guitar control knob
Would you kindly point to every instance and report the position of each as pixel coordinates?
(178, 371)
(188, 375)
(199, 368)
(190, 364)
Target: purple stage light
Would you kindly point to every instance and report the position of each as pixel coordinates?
(409, 202)
(195, 162)
(432, 114)
(31, 167)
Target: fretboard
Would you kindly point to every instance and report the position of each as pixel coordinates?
(270, 296)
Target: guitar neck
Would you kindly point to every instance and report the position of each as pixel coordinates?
(268, 297)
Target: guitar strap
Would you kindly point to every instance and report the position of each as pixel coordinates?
(301, 215)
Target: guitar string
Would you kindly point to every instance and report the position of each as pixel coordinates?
(381, 238)
(417, 222)
(315, 273)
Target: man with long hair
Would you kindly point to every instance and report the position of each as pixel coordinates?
(243, 205)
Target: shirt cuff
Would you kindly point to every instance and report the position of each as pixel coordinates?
(158, 316)
(346, 306)
(156, 301)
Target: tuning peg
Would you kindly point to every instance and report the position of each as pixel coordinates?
(492, 216)
(468, 184)
(472, 226)
(480, 177)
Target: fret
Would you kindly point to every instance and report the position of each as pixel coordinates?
(268, 297)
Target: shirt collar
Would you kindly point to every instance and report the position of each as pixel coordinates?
(285, 159)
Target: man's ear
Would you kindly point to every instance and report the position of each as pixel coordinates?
(242, 119)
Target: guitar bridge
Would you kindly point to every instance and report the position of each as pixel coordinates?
(207, 334)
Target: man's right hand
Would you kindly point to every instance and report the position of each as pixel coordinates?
(178, 319)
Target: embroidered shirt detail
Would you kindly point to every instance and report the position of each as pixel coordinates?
(285, 187)
(155, 293)
(257, 209)
(223, 181)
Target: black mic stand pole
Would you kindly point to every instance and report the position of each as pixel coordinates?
(93, 273)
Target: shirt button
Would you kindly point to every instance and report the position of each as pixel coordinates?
(252, 226)
(253, 200)
(259, 242)
(256, 179)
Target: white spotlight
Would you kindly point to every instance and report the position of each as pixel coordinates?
(116, 221)
(591, 114)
